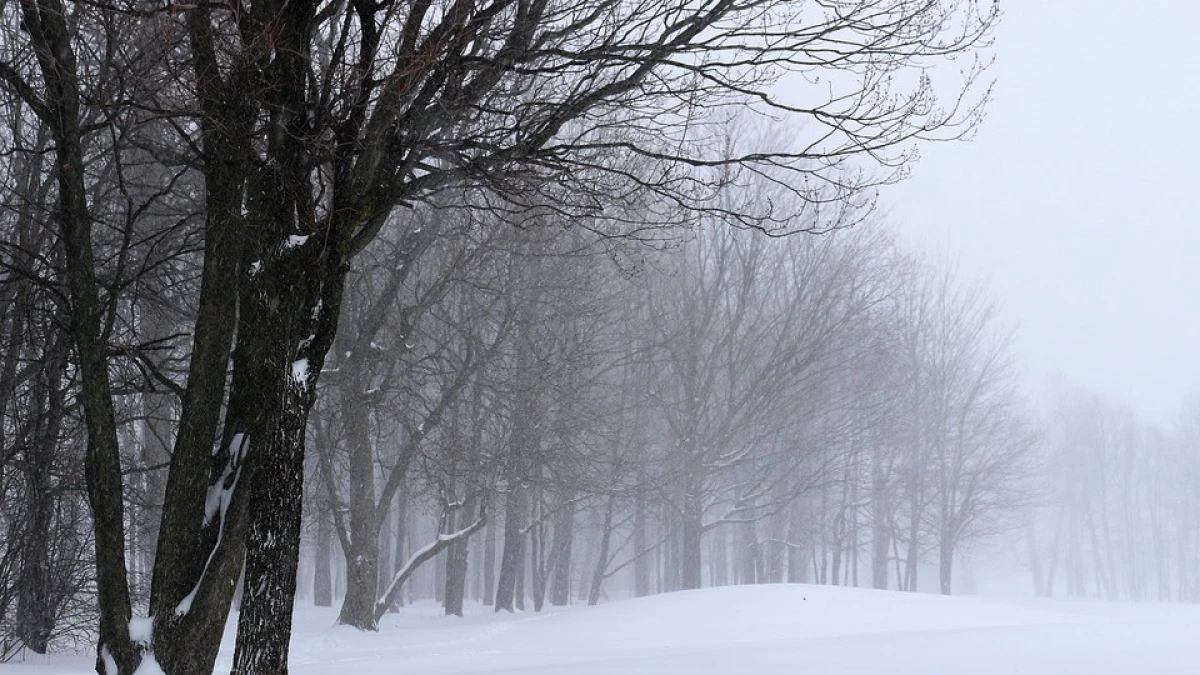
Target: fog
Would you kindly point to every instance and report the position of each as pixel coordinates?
(599, 336)
(1072, 198)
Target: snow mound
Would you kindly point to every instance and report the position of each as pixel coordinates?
(752, 629)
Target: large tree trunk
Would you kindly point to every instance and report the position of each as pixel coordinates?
(946, 567)
(265, 621)
(456, 563)
(560, 555)
(513, 548)
(362, 554)
(719, 558)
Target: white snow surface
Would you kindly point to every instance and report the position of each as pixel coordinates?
(148, 666)
(749, 629)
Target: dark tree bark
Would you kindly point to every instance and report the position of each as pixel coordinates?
(265, 620)
(362, 549)
(277, 128)
(456, 564)
(46, 23)
(36, 600)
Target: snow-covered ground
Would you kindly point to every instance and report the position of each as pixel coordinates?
(748, 629)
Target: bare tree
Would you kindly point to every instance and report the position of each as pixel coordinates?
(309, 123)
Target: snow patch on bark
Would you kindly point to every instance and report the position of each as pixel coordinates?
(300, 373)
(220, 494)
(294, 241)
(106, 658)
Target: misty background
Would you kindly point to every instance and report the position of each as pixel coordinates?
(565, 333)
(1071, 199)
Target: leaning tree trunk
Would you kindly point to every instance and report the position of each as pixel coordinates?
(601, 569)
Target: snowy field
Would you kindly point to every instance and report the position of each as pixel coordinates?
(768, 629)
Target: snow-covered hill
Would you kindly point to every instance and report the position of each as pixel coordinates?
(755, 629)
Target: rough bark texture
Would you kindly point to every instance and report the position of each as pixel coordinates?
(265, 621)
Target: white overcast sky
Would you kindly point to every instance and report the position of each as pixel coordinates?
(1077, 198)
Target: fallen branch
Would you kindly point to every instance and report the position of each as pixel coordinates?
(428, 552)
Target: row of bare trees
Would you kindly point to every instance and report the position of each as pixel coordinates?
(198, 195)
(545, 425)
(1118, 518)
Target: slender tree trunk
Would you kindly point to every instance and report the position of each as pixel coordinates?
(880, 515)
(539, 560)
(386, 547)
(602, 559)
(35, 617)
(402, 547)
(323, 564)
(641, 565)
(522, 572)
(489, 565)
